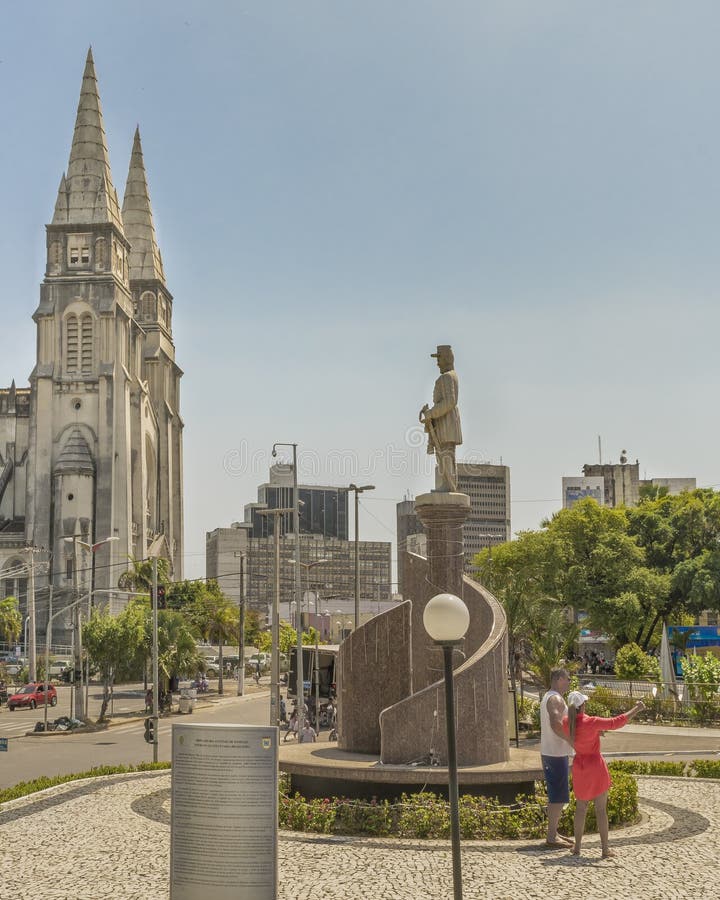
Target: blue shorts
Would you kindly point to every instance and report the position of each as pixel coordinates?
(556, 769)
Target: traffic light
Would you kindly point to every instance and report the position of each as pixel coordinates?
(150, 731)
(161, 600)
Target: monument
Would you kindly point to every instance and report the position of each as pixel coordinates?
(391, 696)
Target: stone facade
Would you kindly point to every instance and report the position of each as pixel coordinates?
(94, 446)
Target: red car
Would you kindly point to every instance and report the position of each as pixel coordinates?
(32, 695)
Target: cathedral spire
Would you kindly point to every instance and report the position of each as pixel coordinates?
(145, 259)
(87, 195)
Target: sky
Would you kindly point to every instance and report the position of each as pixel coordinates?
(338, 187)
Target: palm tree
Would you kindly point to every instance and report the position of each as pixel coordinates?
(216, 620)
(139, 577)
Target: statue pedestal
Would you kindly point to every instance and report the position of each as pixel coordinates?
(443, 515)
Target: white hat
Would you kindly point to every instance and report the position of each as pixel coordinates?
(576, 699)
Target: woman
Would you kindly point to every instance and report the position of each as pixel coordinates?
(591, 779)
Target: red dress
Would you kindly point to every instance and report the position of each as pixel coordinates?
(590, 772)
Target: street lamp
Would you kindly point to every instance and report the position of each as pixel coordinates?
(358, 491)
(80, 710)
(446, 619)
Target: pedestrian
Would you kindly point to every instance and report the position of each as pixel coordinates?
(591, 778)
(308, 735)
(292, 728)
(555, 748)
(283, 711)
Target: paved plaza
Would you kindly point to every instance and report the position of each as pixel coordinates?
(109, 838)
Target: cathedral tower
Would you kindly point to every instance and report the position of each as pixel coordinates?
(105, 435)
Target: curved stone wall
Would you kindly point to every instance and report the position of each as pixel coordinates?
(391, 691)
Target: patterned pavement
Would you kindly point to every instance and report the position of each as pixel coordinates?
(109, 838)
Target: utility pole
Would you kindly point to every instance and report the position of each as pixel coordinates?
(241, 633)
(358, 491)
(275, 624)
(31, 647)
(155, 659)
(78, 694)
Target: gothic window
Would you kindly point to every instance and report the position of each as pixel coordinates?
(147, 306)
(71, 345)
(86, 346)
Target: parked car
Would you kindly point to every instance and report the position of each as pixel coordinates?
(212, 666)
(32, 695)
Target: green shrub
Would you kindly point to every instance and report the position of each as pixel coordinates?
(529, 712)
(423, 816)
(376, 818)
(649, 767)
(632, 663)
(705, 768)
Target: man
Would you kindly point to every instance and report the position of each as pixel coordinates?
(442, 421)
(555, 749)
(308, 735)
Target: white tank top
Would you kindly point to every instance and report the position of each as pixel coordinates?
(550, 743)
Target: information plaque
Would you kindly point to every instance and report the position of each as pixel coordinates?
(224, 812)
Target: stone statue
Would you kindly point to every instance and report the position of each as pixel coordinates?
(442, 421)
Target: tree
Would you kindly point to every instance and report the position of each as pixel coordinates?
(552, 638)
(513, 573)
(253, 627)
(679, 536)
(10, 620)
(116, 645)
(177, 649)
(215, 619)
(139, 578)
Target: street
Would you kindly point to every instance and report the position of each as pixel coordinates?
(120, 744)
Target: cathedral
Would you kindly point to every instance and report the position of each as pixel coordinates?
(93, 447)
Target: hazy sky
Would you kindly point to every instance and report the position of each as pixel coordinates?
(338, 187)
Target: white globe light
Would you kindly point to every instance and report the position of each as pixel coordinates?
(446, 618)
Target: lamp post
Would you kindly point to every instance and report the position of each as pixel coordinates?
(296, 528)
(80, 702)
(358, 491)
(446, 619)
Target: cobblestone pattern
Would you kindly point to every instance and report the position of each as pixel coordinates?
(109, 838)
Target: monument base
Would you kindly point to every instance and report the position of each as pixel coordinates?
(321, 770)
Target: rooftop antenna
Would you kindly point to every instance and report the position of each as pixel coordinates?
(600, 449)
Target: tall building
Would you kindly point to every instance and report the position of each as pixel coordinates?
(619, 483)
(622, 481)
(323, 510)
(250, 546)
(94, 446)
(488, 487)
